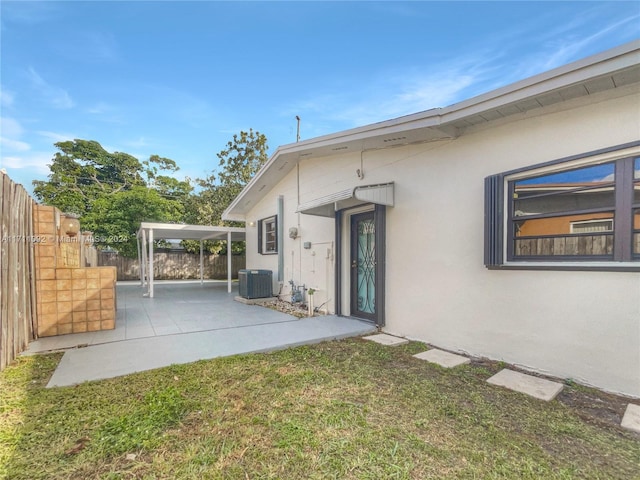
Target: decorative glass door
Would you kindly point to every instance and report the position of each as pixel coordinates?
(363, 266)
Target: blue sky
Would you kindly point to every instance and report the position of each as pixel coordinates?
(178, 79)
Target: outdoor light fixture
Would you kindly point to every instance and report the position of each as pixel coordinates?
(70, 225)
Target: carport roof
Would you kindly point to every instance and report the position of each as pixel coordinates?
(177, 231)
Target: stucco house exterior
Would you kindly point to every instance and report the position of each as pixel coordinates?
(505, 226)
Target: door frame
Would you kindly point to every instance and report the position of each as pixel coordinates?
(342, 278)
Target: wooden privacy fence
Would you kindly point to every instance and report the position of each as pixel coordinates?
(17, 271)
(174, 265)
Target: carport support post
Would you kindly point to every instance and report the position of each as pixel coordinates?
(151, 263)
(201, 265)
(140, 270)
(229, 262)
(143, 260)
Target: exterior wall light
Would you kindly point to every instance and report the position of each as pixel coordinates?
(70, 224)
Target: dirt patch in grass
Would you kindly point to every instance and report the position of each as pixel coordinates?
(595, 407)
(348, 409)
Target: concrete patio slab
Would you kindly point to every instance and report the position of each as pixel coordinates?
(121, 358)
(185, 322)
(528, 384)
(442, 358)
(631, 418)
(179, 307)
(389, 340)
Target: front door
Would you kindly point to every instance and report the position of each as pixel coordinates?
(363, 266)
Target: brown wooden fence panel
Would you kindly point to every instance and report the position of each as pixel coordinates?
(174, 266)
(17, 271)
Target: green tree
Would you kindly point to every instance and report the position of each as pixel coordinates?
(243, 156)
(82, 171)
(113, 192)
(237, 164)
(115, 218)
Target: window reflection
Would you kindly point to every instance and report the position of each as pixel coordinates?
(581, 189)
(565, 213)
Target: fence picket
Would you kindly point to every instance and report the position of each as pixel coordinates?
(17, 271)
(174, 265)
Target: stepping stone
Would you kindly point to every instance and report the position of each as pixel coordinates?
(528, 384)
(389, 340)
(631, 418)
(442, 358)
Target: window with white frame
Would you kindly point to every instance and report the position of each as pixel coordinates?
(591, 226)
(268, 235)
(572, 210)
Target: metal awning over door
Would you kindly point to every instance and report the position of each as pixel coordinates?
(326, 206)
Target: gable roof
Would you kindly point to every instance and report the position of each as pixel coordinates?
(608, 70)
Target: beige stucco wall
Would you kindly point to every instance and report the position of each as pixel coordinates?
(570, 324)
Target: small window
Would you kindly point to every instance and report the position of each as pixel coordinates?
(268, 235)
(564, 211)
(591, 226)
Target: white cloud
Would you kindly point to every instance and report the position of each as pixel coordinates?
(56, 137)
(55, 96)
(11, 131)
(100, 108)
(568, 49)
(140, 142)
(391, 95)
(6, 98)
(99, 46)
(10, 127)
(35, 161)
(28, 13)
(14, 145)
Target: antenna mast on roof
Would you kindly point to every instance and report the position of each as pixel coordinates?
(298, 131)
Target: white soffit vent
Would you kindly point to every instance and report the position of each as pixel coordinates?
(381, 194)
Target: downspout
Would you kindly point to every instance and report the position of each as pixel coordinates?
(280, 226)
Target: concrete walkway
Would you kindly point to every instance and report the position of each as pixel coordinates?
(185, 322)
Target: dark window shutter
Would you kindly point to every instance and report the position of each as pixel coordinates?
(259, 236)
(493, 220)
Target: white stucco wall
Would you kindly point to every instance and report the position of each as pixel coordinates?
(570, 324)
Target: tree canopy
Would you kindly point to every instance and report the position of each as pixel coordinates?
(113, 193)
(238, 163)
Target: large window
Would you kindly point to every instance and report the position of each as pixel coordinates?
(567, 211)
(268, 235)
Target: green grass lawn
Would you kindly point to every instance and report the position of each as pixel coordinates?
(348, 409)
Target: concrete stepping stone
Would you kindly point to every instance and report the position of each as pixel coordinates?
(528, 384)
(442, 358)
(631, 418)
(389, 340)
